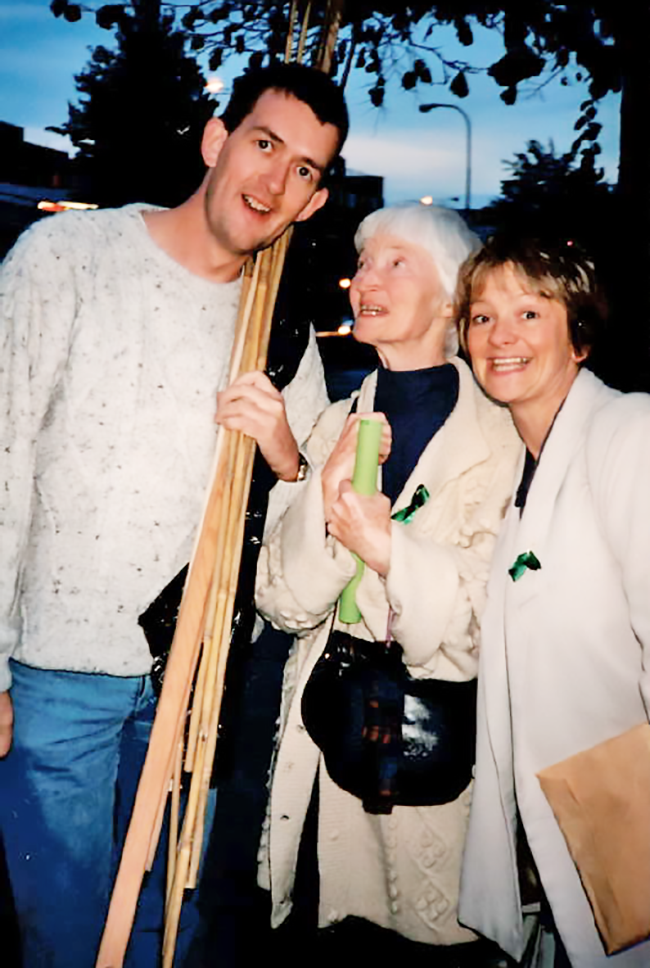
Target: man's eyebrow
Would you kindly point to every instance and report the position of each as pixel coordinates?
(272, 136)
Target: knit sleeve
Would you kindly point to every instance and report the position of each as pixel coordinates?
(37, 303)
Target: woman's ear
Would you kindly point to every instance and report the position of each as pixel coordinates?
(447, 309)
(214, 138)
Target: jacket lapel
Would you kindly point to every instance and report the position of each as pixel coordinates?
(566, 438)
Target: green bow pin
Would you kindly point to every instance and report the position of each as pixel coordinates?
(526, 560)
(420, 497)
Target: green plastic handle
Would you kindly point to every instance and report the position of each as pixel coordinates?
(364, 481)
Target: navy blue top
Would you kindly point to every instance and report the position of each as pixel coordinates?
(416, 404)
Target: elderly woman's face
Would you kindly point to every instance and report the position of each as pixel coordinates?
(398, 303)
(520, 345)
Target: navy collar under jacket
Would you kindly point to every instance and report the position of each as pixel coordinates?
(416, 404)
(460, 439)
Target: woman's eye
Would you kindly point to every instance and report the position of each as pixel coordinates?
(530, 314)
(480, 318)
(398, 262)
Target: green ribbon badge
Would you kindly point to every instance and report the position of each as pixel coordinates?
(420, 497)
(526, 560)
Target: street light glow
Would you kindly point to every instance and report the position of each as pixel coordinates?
(214, 84)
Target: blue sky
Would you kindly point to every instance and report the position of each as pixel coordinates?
(417, 154)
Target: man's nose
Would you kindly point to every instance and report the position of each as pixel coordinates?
(276, 177)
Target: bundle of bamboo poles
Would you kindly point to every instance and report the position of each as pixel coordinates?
(199, 650)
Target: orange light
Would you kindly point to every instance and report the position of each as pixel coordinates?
(46, 206)
(64, 206)
(344, 329)
(345, 283)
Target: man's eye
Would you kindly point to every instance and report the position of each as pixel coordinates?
(530, 314)
(305, 172)
(263, 143)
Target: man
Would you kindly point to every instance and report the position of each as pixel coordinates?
(117, 328)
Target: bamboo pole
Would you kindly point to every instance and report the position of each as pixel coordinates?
(303, 34)
(203, 630)
(293, 16)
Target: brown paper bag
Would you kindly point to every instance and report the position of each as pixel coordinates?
(601, 801)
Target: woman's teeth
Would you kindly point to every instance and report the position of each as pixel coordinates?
(510, 363)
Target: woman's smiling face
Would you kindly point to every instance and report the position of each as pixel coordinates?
(399, 304)
(519, 342)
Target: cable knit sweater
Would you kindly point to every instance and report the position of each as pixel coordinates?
(400, 871)
(110, 359)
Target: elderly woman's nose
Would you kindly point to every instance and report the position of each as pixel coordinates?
(365, 275)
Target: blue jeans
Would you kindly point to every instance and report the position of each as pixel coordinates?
(66, 794)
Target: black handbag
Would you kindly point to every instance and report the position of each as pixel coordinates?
(387, 737)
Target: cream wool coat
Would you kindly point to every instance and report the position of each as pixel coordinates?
(399, 871)
(565, 658)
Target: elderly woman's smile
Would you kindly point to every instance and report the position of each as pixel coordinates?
(399, 304)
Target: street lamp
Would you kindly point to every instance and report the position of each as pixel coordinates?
(425, 108)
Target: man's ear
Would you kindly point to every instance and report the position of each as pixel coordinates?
(213, 140)
(317, 201)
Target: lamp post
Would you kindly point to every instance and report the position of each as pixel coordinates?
(425, 108)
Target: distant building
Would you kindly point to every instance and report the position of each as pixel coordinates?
(28, 173)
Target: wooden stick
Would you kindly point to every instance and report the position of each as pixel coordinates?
(174, 811)
(293, 14)
(331, 26)
(300, 53)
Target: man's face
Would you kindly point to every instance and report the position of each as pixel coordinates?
(265, 174)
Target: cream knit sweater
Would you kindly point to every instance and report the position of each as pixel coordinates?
(110, 359)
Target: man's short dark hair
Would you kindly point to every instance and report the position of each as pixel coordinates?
(311, 86)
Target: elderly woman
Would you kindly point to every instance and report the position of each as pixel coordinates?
(565, 644)
(399, 871)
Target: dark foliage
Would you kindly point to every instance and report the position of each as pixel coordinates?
(140, 114)
(552, 193)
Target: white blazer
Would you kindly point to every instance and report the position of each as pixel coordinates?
(565, 658)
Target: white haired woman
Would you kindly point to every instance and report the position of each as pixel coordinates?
(396, 870)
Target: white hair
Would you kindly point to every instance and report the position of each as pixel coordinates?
(441, 231)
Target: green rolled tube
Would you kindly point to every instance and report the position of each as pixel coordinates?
(364, 481)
